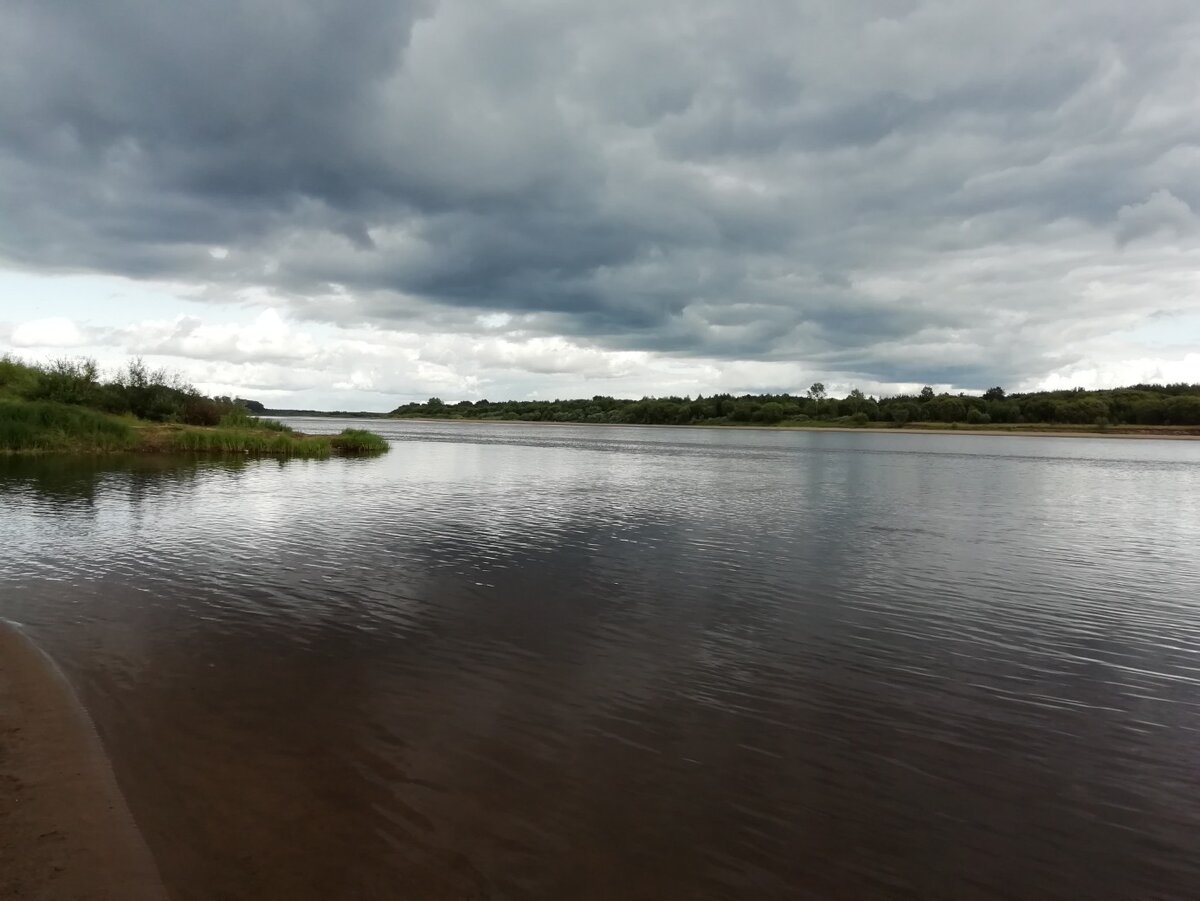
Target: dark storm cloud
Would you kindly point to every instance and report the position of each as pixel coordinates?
(898, 190)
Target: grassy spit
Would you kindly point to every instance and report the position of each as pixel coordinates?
(65, 407)
(358, 441)
(47, 427)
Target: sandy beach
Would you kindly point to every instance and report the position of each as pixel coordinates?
(65, 831)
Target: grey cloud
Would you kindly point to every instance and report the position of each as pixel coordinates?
(695, 179)
(1161, 211)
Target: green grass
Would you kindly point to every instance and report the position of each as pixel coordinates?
(261, 441)
(247, 441)
(240, 419)
(46, 426)
(358, 441)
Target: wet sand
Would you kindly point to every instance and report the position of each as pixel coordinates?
(65, 831)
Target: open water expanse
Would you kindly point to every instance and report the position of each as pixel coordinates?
(572, 662)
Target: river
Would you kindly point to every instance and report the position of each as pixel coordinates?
(572, 662)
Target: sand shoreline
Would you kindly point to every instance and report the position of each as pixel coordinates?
(65, 830)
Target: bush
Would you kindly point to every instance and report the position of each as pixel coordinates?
(155, 395)
(16, 378)
(359, 441)
(67, 382)
(199, 410)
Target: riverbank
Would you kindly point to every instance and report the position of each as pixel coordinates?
(31, 427)
(1031, 430)
(65, 831)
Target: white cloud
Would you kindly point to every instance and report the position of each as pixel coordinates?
(55, 332)
(267, 338)
(1122, 372)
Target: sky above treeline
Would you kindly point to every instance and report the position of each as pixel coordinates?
(352, 205)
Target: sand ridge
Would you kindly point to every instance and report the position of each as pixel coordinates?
(66, 833)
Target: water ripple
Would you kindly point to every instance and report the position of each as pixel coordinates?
(549, 662)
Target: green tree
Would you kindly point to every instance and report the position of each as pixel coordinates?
(947, 409)
(978, 417)
(1182, 410)
(68, 382)
(770, 412)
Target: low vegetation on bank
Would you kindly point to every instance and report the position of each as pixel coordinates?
(67, 407)
(48, 426)
(1137, 408)
(358, 441)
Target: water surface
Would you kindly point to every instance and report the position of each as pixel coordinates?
(510, 661)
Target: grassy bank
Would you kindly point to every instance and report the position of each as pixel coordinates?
(65, 407)
(358, 441)
(44, 426)
(31, 427)
(223, 440)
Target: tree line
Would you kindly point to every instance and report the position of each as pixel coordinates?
(155, 395)
(1152, 405)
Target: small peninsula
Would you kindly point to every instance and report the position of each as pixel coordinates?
(65, 407)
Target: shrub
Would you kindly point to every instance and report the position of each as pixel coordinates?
(17, 379)
(67, 382)
(359, 441)
(199, 410)
(155, 395)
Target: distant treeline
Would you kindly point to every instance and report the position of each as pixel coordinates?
(259, 410)
(1136, 405)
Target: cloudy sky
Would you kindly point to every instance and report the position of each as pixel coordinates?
(354, 203)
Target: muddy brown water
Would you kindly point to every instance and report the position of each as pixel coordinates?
(508, 662)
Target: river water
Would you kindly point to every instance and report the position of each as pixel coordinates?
(571, 662)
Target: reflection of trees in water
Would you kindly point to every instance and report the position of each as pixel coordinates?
(72, 480)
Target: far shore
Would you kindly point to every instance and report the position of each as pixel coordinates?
(65, 830)
(1183, 433)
